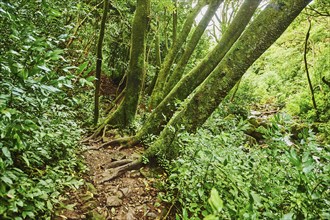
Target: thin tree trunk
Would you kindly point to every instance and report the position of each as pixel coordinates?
(189, 49)
(158, 62)
(99, 62)
(165, 110)
(169, 59)
(125, 113)
(175, 21)
(256, 39)
(306, 67)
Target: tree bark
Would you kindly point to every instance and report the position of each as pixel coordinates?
(170, 57)
(257, 38)
(125, 113)
(158, 61)
(164, 111)
(189, 49)
(99, 62)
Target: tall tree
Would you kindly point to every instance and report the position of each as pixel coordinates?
(99, 62)
(125, 112)
(174, 77)
(256, 39)
(165, 110)
(170, 57)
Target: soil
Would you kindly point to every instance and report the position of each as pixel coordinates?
(131, 196)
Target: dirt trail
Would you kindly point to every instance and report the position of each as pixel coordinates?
(131, 196)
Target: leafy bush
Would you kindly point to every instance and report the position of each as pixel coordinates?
(39, 135)
(282, 178)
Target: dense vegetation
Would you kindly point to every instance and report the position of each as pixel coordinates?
(262, 154)
(41, 110)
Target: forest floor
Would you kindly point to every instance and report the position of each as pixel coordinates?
(133, 195)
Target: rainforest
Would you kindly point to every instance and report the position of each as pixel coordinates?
(168, 109)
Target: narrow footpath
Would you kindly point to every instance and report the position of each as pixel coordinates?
(133, 195)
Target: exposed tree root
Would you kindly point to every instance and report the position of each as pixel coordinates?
(109, 175)
(125, 142)
(90, 140)
(117, 163)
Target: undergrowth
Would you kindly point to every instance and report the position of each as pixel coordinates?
(220, 175)
(38, 111)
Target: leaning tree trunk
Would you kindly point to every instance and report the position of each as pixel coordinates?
(174, 77)
(165, 110)
(126, 111)
(256, 39)
(158, 61)
(170, 57)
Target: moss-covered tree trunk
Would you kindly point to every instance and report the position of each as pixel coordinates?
(126, 111)
(256, 39)
(164, 111)
(174, 77)
(158, 61)
(156, 94)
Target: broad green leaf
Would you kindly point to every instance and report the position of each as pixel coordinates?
(215, 201)
(7, 180)
(211, 217)
(6, 152)
(256, 198)
(50, 88)
(14, 52)
(26, 160)
(49, 205)
(82, 67)
(45, 68)
(287, 216)
(28, 214)
(91, 78)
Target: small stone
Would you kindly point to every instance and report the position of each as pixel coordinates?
(152, 215)
(114, 201)
(125, 191)
(130, 215)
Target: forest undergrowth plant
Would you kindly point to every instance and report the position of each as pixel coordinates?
(283, 180)
(38, 129)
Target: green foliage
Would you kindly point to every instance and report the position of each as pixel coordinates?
(283, 178)
(279, 75)
(39, 135)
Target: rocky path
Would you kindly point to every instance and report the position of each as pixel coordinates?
(131, 196)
